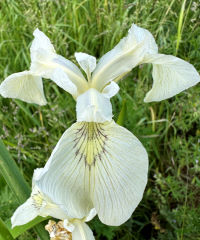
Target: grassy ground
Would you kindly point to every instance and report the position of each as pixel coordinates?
(169, 130)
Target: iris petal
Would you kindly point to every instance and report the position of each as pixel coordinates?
(171, 75)
(100, 165)
(93, 106)
(82, 231)
(24, 86)
(44, 62)
(124, 56)
(87, 62)
(24, 213)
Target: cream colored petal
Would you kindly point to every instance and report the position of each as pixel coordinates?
(120, 176)
(63, 179)
(38, 204)
(111, 90)
(68, 225)
(86, 61)
(45, 206)
(124, 56)
(41, 41)
(24, 214)
(100, 165)
(82, 231)
(171, 75)
(91, 215)
(53, 210)
(24, 86)
(43, 203)
(63, 81)
(38, 172)
(93, 106)
(44, 61)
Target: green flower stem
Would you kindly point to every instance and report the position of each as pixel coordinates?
(122, 114)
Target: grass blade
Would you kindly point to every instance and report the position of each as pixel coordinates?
(4, 232)
(180, 24)
(18, 230)
(12, 175)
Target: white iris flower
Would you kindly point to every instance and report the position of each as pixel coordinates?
(39, 204)
(96, 163)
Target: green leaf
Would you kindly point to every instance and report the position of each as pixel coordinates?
(12, 175)
(18, 230)
(4, 232)
(17, 183)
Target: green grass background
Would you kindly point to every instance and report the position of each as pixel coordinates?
(169, 129)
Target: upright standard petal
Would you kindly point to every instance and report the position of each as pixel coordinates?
(24, 86)
(82, 231)
(171, 75)
(63, 81)
(44, 62)
(100, 165)
(40, 42)
(87, 62)
(124, 56)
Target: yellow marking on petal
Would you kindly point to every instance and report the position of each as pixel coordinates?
(90, 141)
(38, 200)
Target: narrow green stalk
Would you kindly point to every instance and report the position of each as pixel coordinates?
(15, 180)
(180, 25)
(122, 114)
(4, 232)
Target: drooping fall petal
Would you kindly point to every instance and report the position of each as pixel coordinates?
(24, 86)
(100, 165)
(171, 75)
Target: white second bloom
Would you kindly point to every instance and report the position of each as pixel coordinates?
(40, 204)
